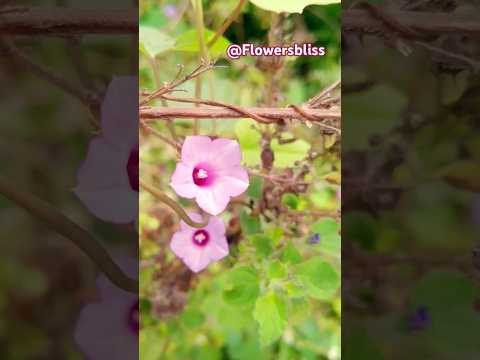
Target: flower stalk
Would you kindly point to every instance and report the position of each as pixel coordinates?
(67, 228)
(159, 195)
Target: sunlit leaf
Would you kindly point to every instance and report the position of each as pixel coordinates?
(242, 286)
(289, 6)
(153, 42)
(271, 315)
(188, 42)
(287, 154)
(464, 174)
(319, 278)
(249, 139)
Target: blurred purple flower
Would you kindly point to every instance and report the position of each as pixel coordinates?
(420, 319)
(170, 10)
(107, 181)
(199, 247)
(210, 172)
(314, 239)
(108, 329)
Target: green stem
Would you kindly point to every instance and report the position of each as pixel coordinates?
(67, 228)
(173, 205)
(203, 53)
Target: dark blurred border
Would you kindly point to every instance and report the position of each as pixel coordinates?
(68, 274)
(411, 165)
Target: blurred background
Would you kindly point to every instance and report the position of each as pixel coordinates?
(411, 160)
(45, 279)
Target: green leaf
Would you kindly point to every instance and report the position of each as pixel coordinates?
(454, 86)
(270, 313)
(192, 318)
(290, 254)
(249, 139)
(243, 286)
(290, 6)
(188, 42)
(319, 278)
(330, 240)
(291, 200)
(294, 290)
(276, 234)
(276, 270)
(287, 154)
(464, 174)
(262, 244)
(255, 188)
(369, 112)
(250, 225)
(153, 42)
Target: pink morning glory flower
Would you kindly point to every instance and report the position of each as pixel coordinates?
(114, 316)
(199, 247)
(210, 172)
(108, 178)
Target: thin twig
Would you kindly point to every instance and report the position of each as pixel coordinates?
(199, 70)
(424, 23)
(228, 21)
(165, 139)
(475, 65)
(87, 98)
(302, 112)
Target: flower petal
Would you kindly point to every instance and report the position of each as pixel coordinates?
(103, 184)
(117, 205)
(182, 181)
(211, 200)
(195, 149)
(218, 248)
(181, 243)
(197, 259)
(216, 227)
(120, 112)
(105, 166)
(232, 181)
(99, 326)
(225, 153)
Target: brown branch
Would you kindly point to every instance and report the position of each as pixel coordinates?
(67, 21)
(61, 224)
(423, 23)
(272, 115)
(86, 97)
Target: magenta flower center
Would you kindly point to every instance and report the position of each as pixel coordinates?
(200, 237)
(133, 318)
(202, 175)
(132, 169)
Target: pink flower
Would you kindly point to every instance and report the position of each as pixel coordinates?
(114, 316)
(210, 172)
(108, 178)
(199, 247)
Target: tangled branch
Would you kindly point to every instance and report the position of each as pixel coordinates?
(66, 21)
(422, 23)
(272, 115)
